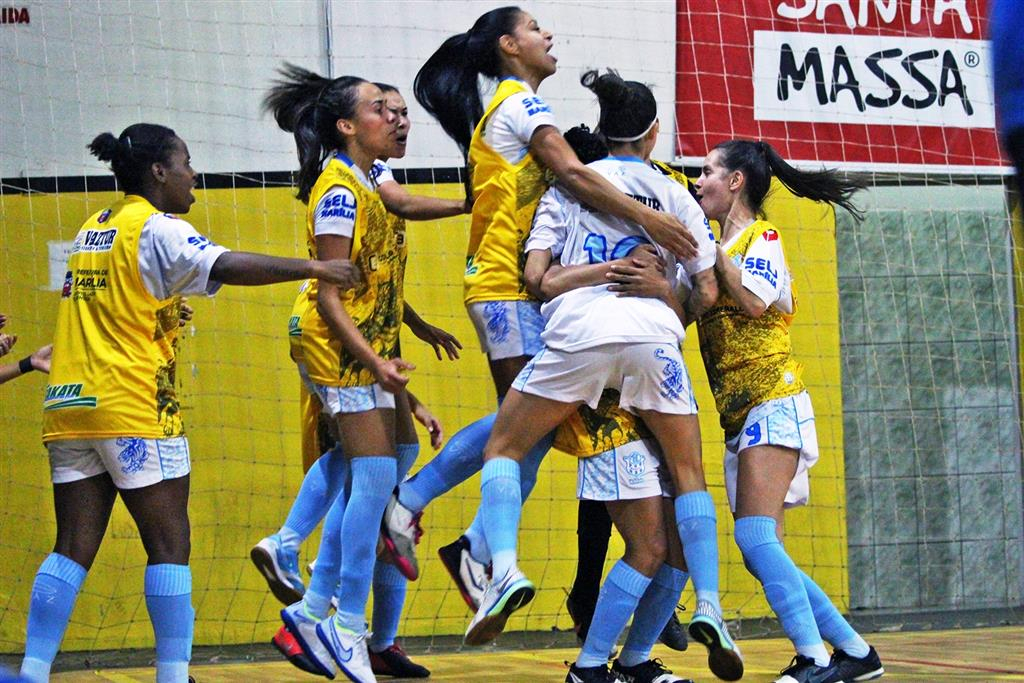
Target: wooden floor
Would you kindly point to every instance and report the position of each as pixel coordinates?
(994, 654)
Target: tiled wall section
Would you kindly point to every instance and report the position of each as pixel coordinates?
(932, 438)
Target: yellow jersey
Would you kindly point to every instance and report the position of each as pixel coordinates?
(505, 196)
(375, 305)
(748, 360)
(589, 432)
(113, 367)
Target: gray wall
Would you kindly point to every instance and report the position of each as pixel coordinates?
(932, 439)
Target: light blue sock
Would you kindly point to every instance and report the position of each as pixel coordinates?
(324, 582)
(388, 599)
(501, 505)
(527, 480)
(783, 586)
(619, 597)
(407, 454)
(695, 519)
(53, 597)
(319, 488)
(831, 624)
(460, 459)
(169, 601)
(373, 480)
(652, 613)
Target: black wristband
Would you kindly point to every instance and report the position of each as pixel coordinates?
(25, 365)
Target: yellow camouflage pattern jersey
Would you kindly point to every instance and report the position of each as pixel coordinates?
(375, 305)
(591, 432)
(673, 173)
(748, 360)
(114, 357)
(505, 197)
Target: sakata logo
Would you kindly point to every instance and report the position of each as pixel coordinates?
(67, 396)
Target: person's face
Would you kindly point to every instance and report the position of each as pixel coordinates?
(532, 46)
(395, 104)
(177, 179)
(715, 187)
(372, 125)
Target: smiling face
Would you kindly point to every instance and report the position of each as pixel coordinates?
(176, 179)
(395, 104)
(530, 46)
(717, 187)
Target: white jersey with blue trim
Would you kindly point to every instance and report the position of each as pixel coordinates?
(591, 316)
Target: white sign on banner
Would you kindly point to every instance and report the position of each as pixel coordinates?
(874, 80)
(59, 253)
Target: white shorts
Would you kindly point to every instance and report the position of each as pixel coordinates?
(649, 376)
(787, 422)
(507, 329)
(629, 472)
(337, 400)
(132, 462)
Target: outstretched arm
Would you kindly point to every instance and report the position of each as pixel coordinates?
(245, 268)
(416, 207)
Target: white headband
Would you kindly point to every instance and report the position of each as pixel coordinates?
(635, 137)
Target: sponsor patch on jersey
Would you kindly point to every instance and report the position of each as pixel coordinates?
(200, 242)
(86, 282)
(762, 268)
(770, 235)
(535, 105)
(69, 281)
(94, 241)
(104, 217)
(342, 205)
(67, 396)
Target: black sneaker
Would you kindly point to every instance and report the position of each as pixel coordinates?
(592, 674)
(581, 617)
(673, 636)
(803, 670)
(651, 671)
(849, 668)
(394, 662)
(470, 576)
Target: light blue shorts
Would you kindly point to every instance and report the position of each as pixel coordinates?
(131, 461)
(507, 329)
(631, 471)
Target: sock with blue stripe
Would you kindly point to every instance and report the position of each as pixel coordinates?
(460, 459)
(783, 585)
(698, 531)
(831, 624)
(169, 602)
(53, 598)
(620, 595)
(500, 508)
(652, 613)
(373, 480)
(324, 582)
(388, 599)
(527, 480)
(319, 487)
(407, 454)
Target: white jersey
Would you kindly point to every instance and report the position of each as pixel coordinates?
(592, 316)
(174, 258)
(513, 123)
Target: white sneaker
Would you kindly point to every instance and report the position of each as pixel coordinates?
(348, 649)
(400, 530)
(304, 628)
(280, 568)
(501, 599)
(708, 628)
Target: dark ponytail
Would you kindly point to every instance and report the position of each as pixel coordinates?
(587, 145)
(759, 162)
(309, 106)
(132, 153)
(628, 108)
(447, 86)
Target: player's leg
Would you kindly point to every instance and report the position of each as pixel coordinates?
(593, 531)
(82, 507)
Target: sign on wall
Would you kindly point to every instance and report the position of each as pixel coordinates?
(869, 84)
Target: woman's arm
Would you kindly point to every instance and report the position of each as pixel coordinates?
(560, 279)
(427, 419)
(244, 268)
(590, 187)
(40, 360)
(415, 207)
(389, 373)
(439, 339)
(731, 277)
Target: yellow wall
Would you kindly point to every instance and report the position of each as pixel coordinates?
(239, 393)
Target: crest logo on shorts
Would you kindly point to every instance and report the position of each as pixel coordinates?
(498, 326)
(635, 464)
(672, 375)
(133, 454)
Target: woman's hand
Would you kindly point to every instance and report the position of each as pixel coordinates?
(437, 338)
(390, 374)
(433, 425)
(41, 358)
(340, 272)
(185, 313)
(7, 342)
(638, 276)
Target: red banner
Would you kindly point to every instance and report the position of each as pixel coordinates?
(869, 84)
